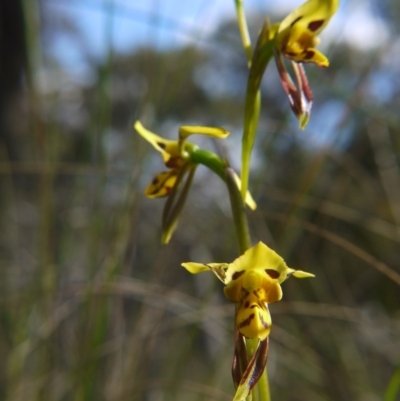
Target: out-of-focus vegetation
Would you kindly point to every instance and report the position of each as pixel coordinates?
(92, 307)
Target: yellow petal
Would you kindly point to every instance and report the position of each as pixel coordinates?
(300, 273)
(233, 289)
(168, 149)
(217, 268)
(297, 34)
(259, 282)
(253, 280)
(310, 55)
(216, 132)
(195, 268)
(270, 291)
(162, 184)
(312, 16)
(259, 257)
(253, 319)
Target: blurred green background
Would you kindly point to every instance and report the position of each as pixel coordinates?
(92, 307)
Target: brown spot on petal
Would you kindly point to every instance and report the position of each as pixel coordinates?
(155, 181)
(247, 321)
(315, 25)
(168, 190)
(161, 145)
(174, 162)
(272, 273)
(236, 275)
(309, 54)
(263, 322)
(246, 304)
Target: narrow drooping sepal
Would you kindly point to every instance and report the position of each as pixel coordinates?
(253, 371)
(240, 360)
(172, 208)
(300, 95)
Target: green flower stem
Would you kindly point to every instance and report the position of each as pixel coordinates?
(238, 212)
(263, 53)
(249, 128)
(210, 160)
(220, 167)
(263, 387)
(251, 117)
(244, 31)
(173, 209)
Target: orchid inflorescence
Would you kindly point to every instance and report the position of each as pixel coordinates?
(294, 38)
(253, 280)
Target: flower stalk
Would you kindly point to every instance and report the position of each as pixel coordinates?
(244, 30)
(261, 390)
(238, 212)
(253, 280)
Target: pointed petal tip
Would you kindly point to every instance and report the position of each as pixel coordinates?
(195, 268)
(304, 118)
(302, 274)
(214, 132)
(167, 232)
(248, 200)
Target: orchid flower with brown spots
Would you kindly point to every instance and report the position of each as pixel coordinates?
(182, 158)
(252, 281)
(175, 155)
(296, 37)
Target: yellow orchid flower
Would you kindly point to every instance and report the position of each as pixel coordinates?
(252, 281)
(182, 158)
(297, 34)
(174, 154)
(296, 37)
(177, 155)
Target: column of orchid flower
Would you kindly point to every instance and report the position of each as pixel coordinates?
(254, 279)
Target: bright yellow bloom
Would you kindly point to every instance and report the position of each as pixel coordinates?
(252, 281)
(182, 158)
(296, 37)
(297, 34)
(174, 154)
